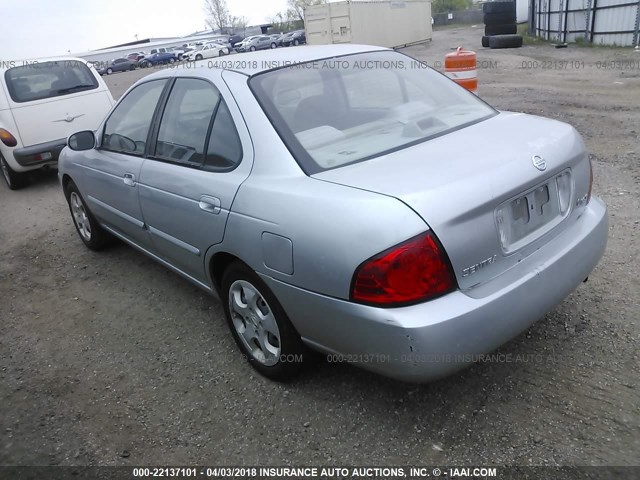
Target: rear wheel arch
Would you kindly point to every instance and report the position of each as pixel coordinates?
(217, 266)
(15, 180)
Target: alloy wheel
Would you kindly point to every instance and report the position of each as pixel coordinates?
(80, 216)
(254, 322)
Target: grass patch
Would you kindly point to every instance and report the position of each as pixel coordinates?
(523, 30)
(579, 41)
(449, 26)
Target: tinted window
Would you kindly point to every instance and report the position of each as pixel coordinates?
(186, 120)
(362, 106)
(364, 90)
(48, 79)
(128, 126)
(224, 150)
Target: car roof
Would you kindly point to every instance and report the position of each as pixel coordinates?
(7, 65)
(258, 62)
(254, 63)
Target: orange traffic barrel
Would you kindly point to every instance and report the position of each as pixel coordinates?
(460, 66)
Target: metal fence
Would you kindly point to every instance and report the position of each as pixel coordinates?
(603, 22)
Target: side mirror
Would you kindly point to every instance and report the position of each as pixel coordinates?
(85, 140)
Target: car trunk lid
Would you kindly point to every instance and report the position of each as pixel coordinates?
(478, 188)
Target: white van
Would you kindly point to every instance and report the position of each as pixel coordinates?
(41, 104)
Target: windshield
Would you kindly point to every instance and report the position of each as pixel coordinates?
(347, 109)
(48, 79)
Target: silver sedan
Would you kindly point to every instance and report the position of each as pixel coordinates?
(344, 199)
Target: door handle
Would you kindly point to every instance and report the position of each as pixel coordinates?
(129, 179)
(210, 204)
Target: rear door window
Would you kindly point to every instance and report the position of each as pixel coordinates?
(48, 79)
(185, 121)
(224, 151)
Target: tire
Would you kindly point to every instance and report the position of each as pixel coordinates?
(296, 42)
(507, 29)
(172, 60)
(132, 68)
(198, 57)
(273, 45)
(485, 41)
(499, 18)
(505, 41)
(263, 327)
(220, 53)
(252, 49)
(109, 71)
(15, 180)
(88, 228)
(499, 7)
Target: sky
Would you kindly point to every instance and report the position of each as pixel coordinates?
(41, 28)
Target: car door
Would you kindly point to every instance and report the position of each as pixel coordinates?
(202, 155)
(206, 51)
(264, 42)
(112, 170)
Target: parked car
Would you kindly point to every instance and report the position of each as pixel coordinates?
(117, 65)
(42, 104)
(186, 50)
(240, 45)
(295, 38)
(258, 42)
(209, 50)
(221, 41)
(157, 59)
(234, 39)
(136, 57)
(178, 52)
(445, 227)
(276, 38)
(195, 45)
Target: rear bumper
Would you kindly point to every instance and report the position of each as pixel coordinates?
(40, 154)
(434, 339)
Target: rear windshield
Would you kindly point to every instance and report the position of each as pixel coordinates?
(48, 79)
(347, 109)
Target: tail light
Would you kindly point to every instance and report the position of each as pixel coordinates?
(412, 272)
(8, 139)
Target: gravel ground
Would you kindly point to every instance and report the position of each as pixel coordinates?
(110, 359)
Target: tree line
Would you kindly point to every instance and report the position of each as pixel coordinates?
(219, 18)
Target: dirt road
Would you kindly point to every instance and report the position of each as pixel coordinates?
(110, 359)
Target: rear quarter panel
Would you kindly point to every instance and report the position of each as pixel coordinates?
(332, 228)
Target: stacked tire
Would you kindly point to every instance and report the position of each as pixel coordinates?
(500, 25)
